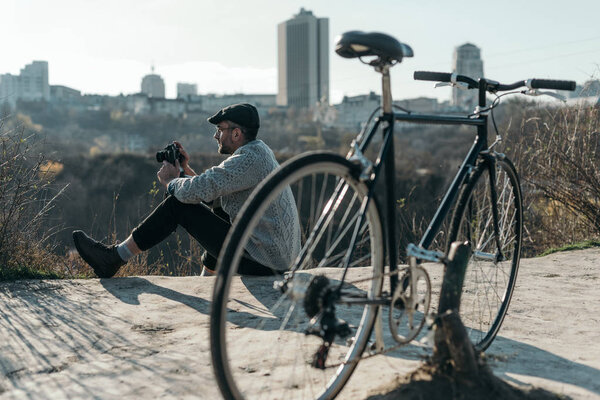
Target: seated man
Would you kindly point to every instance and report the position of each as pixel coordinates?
(232, 181)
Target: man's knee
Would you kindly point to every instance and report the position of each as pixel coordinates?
(171, 201)
(175, 208)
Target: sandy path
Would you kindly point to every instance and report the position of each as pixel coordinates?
(147, 337)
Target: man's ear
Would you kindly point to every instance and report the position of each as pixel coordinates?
(237, 134)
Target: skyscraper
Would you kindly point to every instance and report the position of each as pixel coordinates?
(303, 60)
(153, 85)
(467, 61)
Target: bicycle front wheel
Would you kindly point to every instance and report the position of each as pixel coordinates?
(492, 269)
(287, 312)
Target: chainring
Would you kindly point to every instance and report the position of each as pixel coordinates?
(408, 311)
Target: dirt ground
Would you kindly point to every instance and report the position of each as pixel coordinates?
(147, 337)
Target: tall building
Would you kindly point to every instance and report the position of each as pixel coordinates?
(34, 81)
(30, 84)
(153, 85)
(303, 60)
(467, 61)
(186, 90)
(9, 89)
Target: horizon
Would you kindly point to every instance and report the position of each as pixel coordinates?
(199, 43)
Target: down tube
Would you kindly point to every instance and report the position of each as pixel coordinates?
(451, 194)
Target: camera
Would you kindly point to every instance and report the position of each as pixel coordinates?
(169, 153)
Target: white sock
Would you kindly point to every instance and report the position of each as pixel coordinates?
(124, 252)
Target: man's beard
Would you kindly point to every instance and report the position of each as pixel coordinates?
(224, 150)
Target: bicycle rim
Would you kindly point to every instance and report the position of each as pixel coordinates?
(489, 282)
(250, 311)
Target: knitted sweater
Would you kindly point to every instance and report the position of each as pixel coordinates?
(275, 242)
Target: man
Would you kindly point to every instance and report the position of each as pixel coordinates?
(231, 182)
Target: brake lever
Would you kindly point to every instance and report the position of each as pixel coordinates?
(535, 92)
(459, 85)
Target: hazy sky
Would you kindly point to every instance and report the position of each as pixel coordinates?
(230, 46)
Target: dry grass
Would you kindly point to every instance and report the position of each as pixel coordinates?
(558, 158)
(26, 196)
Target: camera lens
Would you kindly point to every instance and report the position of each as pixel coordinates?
(161, 156)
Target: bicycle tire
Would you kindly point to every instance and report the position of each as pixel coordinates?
(489, 284)
(240, 371)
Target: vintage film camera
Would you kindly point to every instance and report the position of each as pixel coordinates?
(170, 154)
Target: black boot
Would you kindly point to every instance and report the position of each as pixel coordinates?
(104, 260)
(209, 264)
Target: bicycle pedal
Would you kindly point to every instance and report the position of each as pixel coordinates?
(320, 357)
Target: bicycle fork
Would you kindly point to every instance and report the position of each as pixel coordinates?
(490, 160)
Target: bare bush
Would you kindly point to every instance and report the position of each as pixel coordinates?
(557, 151)
(26, 196)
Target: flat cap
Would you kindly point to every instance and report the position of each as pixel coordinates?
(243, 114)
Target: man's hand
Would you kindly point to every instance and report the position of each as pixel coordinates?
(168, 172)
(186, 158)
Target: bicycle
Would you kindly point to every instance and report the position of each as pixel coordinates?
(325, 305)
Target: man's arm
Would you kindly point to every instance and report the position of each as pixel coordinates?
(239, 172)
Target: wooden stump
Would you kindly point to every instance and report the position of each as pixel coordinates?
(451, 341)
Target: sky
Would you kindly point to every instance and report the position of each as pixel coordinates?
(230, 46)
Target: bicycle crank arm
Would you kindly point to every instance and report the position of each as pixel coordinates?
(355, 301)
(495, 257)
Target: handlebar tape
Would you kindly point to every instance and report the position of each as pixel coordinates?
(551, 84)
(432, 76)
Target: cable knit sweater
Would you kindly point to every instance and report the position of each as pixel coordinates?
(275, 242)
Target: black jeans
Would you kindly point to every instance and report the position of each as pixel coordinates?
(208, 228)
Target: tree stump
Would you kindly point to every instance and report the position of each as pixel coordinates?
(451, 341)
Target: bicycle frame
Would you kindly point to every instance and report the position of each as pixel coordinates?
(385, 159)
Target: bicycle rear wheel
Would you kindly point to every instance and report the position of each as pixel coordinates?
(250, 311)
(492, 269)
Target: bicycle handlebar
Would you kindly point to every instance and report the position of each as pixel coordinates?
(551, 84)
(445, 77)
(494, 86)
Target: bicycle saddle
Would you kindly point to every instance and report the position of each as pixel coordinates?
(355, 44)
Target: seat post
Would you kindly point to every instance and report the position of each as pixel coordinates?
(386, 89)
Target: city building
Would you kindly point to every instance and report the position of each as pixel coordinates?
(153, 85)
(467, 61)
(30, 84)
(64, 94)
(9, 89)
(420, 104)
(588, 89)
(34, 81)
(162, 106)
(354, 111)
(303, 60)
(186, 90)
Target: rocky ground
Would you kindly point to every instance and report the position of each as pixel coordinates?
(147, 337)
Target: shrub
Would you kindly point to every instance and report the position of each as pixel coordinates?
(558, 152)
(26, 196)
